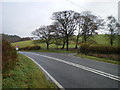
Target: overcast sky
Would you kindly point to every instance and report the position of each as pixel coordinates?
(23, 17)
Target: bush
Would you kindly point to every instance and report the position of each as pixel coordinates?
(84, 48)
(36, 47)
(9, 56)
(87, 48)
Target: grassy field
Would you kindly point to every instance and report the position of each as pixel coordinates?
(26, 74)
(23, 43)
(30, 43)
(100, 39)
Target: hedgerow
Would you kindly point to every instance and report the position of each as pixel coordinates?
(9, 56)
(86, 48)
(36, 47)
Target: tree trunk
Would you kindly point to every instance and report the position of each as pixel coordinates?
(63, 44)
(77, 41)
(47, 46)
(111, 41)
(84, 39)
(67, 43)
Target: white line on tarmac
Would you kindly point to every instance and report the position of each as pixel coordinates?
(59, 86)
(114, 77)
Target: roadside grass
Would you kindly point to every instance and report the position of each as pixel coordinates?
(26, 74)
(98, 59)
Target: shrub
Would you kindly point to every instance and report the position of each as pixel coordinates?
(87, 48)
(24, 48)
(9, 56)
(84, 48)
(36, 47)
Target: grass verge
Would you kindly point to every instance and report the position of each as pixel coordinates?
(98, 59)
(26, 74)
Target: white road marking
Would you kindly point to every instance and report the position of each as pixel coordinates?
(114, 77)
(51, 78)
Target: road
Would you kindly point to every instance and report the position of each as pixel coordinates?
(75, 72)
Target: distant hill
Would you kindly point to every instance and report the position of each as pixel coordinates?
(14, 38)
(11, 38)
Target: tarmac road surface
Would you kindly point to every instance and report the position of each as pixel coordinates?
(74, 72)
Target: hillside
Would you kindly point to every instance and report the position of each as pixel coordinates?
(14, 38)
(11, 38)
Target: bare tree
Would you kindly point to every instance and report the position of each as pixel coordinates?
(45, 34)
(67, 23)
(89, 24)
(112, 27)
(78, 18)
(59, 35)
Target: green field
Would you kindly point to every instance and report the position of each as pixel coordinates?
(100, 39)
(26, 74)
(30, 43)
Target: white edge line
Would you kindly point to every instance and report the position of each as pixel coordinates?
(58, 85)
(83, 67)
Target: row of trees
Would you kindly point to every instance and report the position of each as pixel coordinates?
(67, 22)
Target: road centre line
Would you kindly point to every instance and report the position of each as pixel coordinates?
(114, 77)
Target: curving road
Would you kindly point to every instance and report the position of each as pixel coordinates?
(74, 72)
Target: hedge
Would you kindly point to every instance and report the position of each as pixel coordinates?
(9, 56)
(36, 47)
(87, 48)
